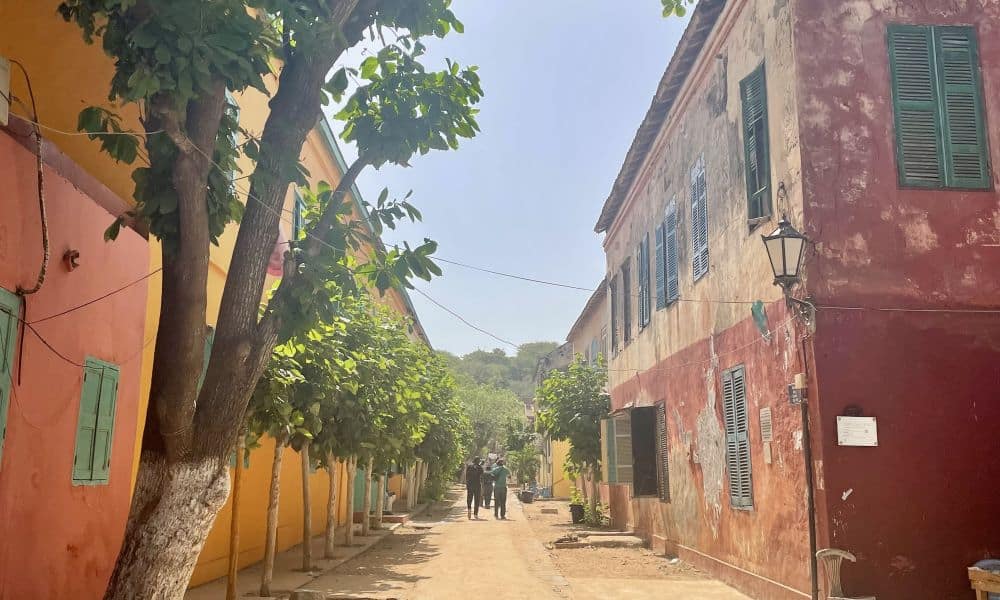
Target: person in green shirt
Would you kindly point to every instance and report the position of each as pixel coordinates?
(500, 473)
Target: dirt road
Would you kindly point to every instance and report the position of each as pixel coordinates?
(444, 556)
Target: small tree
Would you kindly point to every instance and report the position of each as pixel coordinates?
(525, 464)
(572, 403)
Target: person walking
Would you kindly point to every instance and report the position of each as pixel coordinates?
(500, 473)
(487, 487)
(473, 486)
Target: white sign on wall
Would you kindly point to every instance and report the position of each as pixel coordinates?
(857, 431)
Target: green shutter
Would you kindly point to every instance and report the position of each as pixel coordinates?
(699, 220)
(10, 308)
(613, 294)
(642, 274)
(915, 106)
(610, 459)
(298, 217)
(662, 452)
(86, 430)
(734, 405)
(965, 150)
(661, 283)
(105, 423)
(756, 143)
(209, 342)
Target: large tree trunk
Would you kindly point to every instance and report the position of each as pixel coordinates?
(271, 535)
(352, 476)
(411, 486)
(366, 502)
(234, 523)
(174, 507)
(307, 554)
(380, 501)
(331, 507)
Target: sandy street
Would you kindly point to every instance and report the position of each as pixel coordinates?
(443, 555)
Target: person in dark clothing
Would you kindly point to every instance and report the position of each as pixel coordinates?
(499, 473)
(473, 486)
(487, 488)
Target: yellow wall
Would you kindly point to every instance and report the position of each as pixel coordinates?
(561, 486)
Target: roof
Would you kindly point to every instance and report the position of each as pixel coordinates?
(702, 21)
(595, 299)
(331, 142)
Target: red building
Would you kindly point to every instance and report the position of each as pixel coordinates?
(69, 383)
(866, 124)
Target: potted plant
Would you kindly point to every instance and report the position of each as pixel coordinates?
(576, 507)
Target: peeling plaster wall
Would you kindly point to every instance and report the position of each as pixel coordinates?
(680, 356)
(917, 509)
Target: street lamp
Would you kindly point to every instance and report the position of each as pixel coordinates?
(785, 249)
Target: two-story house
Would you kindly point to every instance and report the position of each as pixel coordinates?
(865, 123)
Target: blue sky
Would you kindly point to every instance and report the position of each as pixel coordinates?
(567, 83)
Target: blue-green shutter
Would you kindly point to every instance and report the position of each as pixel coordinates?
(672, 262)
(661, 283)
(965, 148)
(734, 405)
(642, 274)
(699, 220)
(298, 217)
(105, 424)
(95, 425)
(915, 107)
(756, 144)
(10, 308)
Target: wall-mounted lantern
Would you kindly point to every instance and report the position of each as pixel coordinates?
(785, 247)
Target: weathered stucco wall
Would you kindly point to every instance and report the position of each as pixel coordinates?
(679, 357)
(929, 378)
(60, 540)
(591, 325)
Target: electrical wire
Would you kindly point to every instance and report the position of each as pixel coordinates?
(463, 319)
(99, 298)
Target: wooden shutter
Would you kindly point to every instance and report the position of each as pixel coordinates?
(10, 308)
(623, 449)
(737, 438)
(699, 221)
(756, 144)
(608, 451)
(661, 283)
(86, 431)
(105, 423)
(670, 241)
(642, 266)
(965, 149)
(613, 294)
(662, 452)
(626, 303)
(915, 105)
(298, 217)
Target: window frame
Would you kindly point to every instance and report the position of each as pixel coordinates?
(756, 194)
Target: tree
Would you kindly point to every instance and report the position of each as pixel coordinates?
(443, 446)
(488, 408)
(525, 463)
(518, 434)
(176, 60)
(572, 403)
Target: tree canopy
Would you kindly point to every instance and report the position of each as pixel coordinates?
(571, 404)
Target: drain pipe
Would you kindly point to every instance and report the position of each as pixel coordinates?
(810, 494)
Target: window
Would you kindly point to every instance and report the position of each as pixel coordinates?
(699, 220)
(613, 293)
(938, 107)
(616, 449)
(662, 452)
(645, 478)
(298, 217)
(756, 147)
(626, 303)
(642, 274)
(10, 308)
(92, 459)
(734, 407)
(595, 351)
(667, 284)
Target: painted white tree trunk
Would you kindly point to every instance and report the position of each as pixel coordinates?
(331, 506)
(173, 509)
(380, 501)
(307, 537)
(271, 537)
(352, 477)
(366, 502)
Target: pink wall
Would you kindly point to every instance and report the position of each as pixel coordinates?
(60, 540)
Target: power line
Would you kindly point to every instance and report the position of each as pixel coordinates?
(99, 298)
(463, 320)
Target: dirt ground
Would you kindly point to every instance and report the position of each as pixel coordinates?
(617, 563)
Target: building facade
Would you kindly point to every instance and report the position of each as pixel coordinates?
(865, 124)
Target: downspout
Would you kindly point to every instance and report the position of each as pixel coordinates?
(810, 479)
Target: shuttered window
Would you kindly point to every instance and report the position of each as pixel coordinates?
(613, 294)
(10, 308)
(699, 220)
(642, 274)
(298, 217)
(608, 471)
(734, 405)
(616, 449)
(661, 283)
(98, 399)
(626, 302)
(756, 145)
(670, 254)
(662, 452)
(938, 107)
